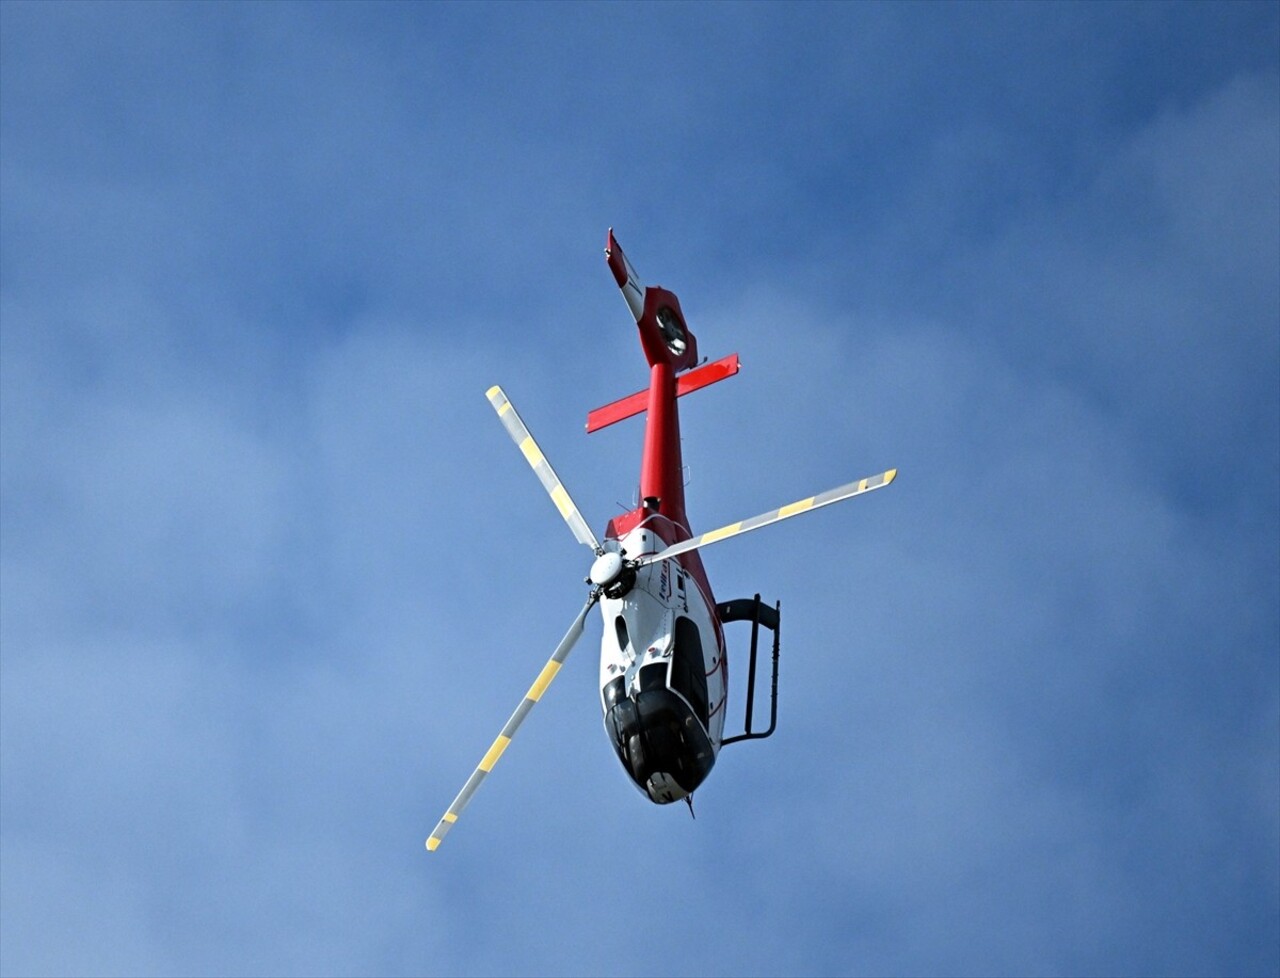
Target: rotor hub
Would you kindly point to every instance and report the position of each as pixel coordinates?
(613, 574)
(606, 569)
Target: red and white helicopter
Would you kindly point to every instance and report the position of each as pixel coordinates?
(663, 662)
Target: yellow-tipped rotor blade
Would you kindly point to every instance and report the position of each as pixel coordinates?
(838, 494)
(499, 745)
(541, 467)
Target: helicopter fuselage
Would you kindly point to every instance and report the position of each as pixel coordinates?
(663, 666)
(663, 663)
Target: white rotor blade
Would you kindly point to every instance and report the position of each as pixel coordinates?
(500, 744)
(773, 516)
(541, 467)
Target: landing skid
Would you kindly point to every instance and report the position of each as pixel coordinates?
(758, 613)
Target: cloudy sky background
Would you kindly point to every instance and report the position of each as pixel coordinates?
(272, 576)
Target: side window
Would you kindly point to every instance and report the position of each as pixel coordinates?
(688, 673)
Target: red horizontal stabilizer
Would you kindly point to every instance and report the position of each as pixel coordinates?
(636, 403)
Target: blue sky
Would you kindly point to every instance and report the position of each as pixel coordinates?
(272, 576)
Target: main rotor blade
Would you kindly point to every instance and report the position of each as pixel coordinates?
(836, 495)
(541, 467)
(500, 744)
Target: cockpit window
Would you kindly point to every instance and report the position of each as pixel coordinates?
(653, 676)
(688, 672)
(613, 692)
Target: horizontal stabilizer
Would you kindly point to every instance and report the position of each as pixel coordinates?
(636, 403)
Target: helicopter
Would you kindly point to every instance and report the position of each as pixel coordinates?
(664, 666)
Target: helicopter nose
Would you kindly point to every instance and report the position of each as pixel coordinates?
(661, 744)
